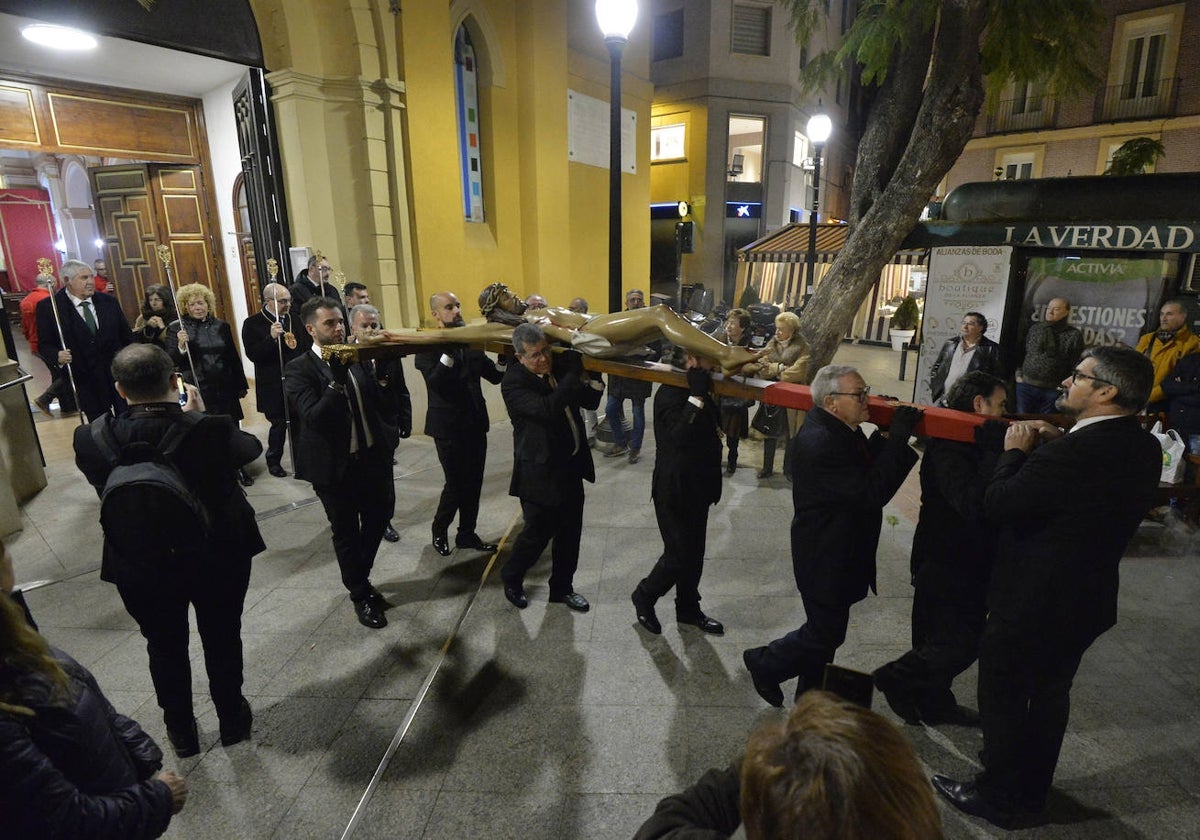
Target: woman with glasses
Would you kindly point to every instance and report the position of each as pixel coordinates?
(969, 350)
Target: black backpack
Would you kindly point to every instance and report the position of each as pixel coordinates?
(152, 518)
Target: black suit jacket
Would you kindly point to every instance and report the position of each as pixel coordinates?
(687, 463)
(456, 403)
(323, 415)
(304, 289)
(985, 358)
(263, 350)
(840, 483)
(1066, 512)
(548, 459)
(92, 354)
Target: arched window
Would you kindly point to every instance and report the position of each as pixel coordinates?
(467, 101)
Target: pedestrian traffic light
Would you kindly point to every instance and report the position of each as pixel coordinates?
(685, 233)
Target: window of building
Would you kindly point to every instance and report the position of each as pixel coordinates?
(751, 34)
(1017, 166)
(667, 142)
(467, 102)
(668, 35)
(1109, 146)
(1141, 73)
(746, 136)
(800, 150)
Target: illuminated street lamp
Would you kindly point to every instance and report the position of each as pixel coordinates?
(819, 128)
(616, 19)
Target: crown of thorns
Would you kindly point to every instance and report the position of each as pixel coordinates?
(489, 298)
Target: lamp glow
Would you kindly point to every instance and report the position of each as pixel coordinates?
(819, 128)
(59, 37)
(616, 18)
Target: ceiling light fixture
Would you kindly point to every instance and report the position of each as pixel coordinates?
(59, 37)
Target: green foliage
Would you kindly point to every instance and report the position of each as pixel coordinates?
(1134, 156)
(907, 315)
(749, 296)
(1025, 40)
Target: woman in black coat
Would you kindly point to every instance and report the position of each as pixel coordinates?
(70, 765)
(209, 342)
(158, 311)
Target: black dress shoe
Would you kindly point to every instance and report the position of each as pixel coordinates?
(898, 696)
(185, 741)
(244, 478)
(516, 596)
(574, 601)
(441, 543)
(369, 613)
(389, 534)
(376, 597)
(708, 625)
(474, 542)
(956, 716)
(767, 690)
(766, 473)
(966, 797)
(236, 727)
(276, 470)
(644, 610)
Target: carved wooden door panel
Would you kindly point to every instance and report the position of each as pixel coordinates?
(245, 242)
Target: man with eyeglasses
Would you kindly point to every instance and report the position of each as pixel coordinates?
(1066, 511)
(840, 482)
(543, 395)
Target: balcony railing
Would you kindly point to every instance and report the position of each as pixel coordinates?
(1026, 114)
(1137, 101)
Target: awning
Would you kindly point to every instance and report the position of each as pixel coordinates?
(789, 244)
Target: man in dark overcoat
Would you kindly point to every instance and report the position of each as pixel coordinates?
(686, 481)
(543, 395)
(840, 483)
(1066, 511)
(269, 335)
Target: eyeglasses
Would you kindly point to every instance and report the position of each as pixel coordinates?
(861, 396)
(1077, 374)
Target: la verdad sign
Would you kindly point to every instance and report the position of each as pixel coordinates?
(1153, 237)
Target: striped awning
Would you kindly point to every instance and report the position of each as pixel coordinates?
(789, 244)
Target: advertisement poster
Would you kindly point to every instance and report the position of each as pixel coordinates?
(961, 279)
(1110, 297)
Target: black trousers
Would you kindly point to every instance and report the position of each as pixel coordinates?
(359, 508)
(804, 653)
(463, 458)
(562, 524)
(161, 611)
(945, 637)
(1024, 704)
(276, 438)
(60, 387)
(683, 528)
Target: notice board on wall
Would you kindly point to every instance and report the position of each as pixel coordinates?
(588, 121)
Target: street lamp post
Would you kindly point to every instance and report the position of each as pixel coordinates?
(616, 19)
(819, 128)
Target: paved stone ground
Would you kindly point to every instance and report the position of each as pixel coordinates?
(549, 724)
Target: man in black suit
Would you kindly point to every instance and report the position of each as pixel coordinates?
(840, 483)
(94, 328)
(687, 479)
(268, 337)
(315, 283)
(543, 395)
(457, 420)
(208, 457)
(344, 447)
(1066, 511)
(951, 562)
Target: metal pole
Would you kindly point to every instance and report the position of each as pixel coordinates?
(164, 256)
(615, 47)
(810, 260)
(45, 269)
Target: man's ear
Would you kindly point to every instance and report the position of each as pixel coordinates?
(121, 389)
(308, 328)
(977, 404)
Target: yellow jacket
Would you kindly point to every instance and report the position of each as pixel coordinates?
(1165, 355)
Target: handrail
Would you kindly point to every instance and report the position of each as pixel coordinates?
(23, 378)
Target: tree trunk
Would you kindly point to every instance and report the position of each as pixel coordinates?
(890, 198)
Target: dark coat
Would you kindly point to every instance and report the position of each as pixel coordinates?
(708, 810)
(397, 400)
(1066, 512)
(985, 358)
(1182, 387)
(687, 465)
(208, 458)
(456, 403)
(304, 289)
(544, 466)
(953, 545)
(264, 352)
(323, 415)
(222, 382)
(92, 354)
(76, 768)
(840, 483)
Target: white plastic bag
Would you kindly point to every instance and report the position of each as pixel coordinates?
(1173, 450)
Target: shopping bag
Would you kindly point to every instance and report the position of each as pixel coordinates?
(1173, 450)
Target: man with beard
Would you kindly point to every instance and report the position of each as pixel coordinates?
(1066, 511)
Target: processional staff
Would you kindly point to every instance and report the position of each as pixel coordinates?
(164, 256)
(46, 275)
(285, 337)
